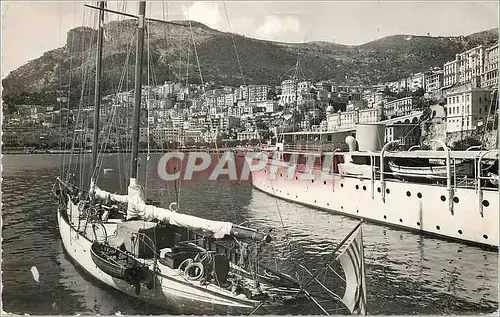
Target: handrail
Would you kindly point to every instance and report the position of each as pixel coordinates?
(474, 147)
(414, 147)
(478, 176)
(382, 182)
(372, 174)
(448, 174)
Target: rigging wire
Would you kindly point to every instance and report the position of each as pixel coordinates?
(72, 46)
(84, 69)
(234, 44)
(148, 101)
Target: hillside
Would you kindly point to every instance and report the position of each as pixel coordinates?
(262, 61)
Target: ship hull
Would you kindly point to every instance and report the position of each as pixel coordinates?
(169, 291)
(472, 217)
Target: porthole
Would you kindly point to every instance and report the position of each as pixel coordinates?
(341, 185)
(296, 178)
(456, 200)
(288, 194)
(388, 191)
(485, 236)
(438, 227)
(486, 203)
(281, 175)
(400, 220)
(328, 204)
(443, 198)
(357, 186)
(324, 182)
(315, 201)
(296, 196)
(312, 180)
(385, 217)
(378, 189)
(419, 195)
(418, 223)
(364, 187)
(408, 194)
(357, 210)
(341, 207)
(459, 231)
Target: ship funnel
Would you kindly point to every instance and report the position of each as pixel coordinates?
(351, 143)
(370, 137)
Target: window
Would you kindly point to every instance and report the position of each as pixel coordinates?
(479, 99)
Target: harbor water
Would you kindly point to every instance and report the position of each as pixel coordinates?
(406, 273)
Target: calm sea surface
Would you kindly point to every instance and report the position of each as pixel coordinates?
(406, 273)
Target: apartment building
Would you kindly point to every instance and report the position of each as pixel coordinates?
(288, 92)
(450, 72)
(257, 93)
(400, 107)
(466, 108)
(470, 64)
(489, 78)
(417, 81)
(434, 81)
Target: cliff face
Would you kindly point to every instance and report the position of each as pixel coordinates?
(171, 49)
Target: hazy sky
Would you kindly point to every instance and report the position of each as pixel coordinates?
(31, 28)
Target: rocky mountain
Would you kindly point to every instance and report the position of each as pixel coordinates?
(172, 56)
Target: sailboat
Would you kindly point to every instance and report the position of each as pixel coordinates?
(167, 258)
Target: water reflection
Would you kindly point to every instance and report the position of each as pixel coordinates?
(406, 273)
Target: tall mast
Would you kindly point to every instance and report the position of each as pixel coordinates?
(97, 93)
(138, 89)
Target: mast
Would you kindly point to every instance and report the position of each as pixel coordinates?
(138, 90)
(97, 93)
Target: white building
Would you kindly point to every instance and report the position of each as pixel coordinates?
(288, 92)
(470, 64)
(434, 81)
(400, 107)
(450, 73)
(467, 108)
(489, 77)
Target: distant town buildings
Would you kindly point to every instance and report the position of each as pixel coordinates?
(179, 114)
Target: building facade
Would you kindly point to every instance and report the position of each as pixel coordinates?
(466, 109)
(489, 77)
(470, 64)
(434, 81)
(400, 107)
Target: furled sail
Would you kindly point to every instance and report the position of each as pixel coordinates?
(353, 264)
(138, 208)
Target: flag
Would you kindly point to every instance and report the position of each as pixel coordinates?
(353, 264)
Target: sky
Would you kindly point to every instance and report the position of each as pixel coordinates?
(31, 28)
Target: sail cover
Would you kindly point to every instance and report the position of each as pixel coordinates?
(353, 264)
(138, 208)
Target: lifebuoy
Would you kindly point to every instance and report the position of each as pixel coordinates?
(194, 271)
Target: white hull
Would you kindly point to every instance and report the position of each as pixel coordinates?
(170, 290)
(409, 205)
